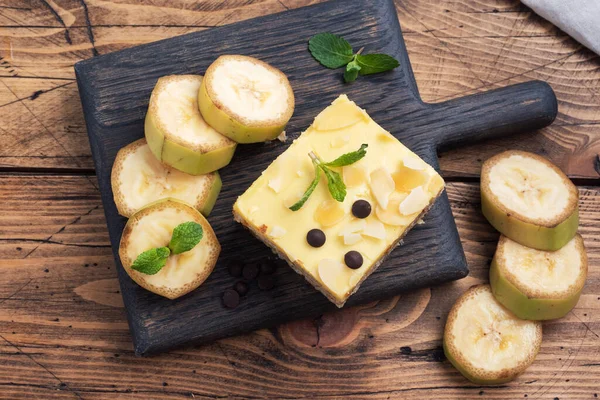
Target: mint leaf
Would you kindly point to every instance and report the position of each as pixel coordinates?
(151, 261)
(330, 50)
(375, 63)
(349, 158)
(298, 205)
(335, 184)
(185, 237)
(351, 71)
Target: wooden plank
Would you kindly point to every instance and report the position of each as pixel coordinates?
(115, 90)
(466, 49)
(502, 42)
(387, 349)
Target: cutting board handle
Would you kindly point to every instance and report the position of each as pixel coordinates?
(509, 110)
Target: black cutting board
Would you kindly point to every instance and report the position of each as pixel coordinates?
(115, 89)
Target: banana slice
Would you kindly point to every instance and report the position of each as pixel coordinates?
(152, 227)
(487, 343)
(529, 199)
(176, 132)
(139, 179)
(536, 284)
(246, 99)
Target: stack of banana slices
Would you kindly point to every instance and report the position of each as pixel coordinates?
(494, 332)
(192, 128)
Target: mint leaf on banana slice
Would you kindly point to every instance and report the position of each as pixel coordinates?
(487, 343)
(536, 284)
(529, 200)
(176, 132)
(168, 248)
(246, 99)
(139, 179)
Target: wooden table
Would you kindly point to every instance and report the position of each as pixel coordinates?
(63, 331)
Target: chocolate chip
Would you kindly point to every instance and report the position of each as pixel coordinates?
(235, 269)
(353, 259)
(267, 267)
(266, 282)
(231, 298)
(241, 288)
(250, 271)
(316, 237)
(361, 209)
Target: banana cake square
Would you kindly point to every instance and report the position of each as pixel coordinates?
(336, 244)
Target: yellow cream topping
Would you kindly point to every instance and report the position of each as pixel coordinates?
(374, 178)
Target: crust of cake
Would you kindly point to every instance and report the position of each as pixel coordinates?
(259, 234)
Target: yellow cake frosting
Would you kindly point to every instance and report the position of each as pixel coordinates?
(399, 186)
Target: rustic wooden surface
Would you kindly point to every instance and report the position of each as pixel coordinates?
(430, 255)
(62, 326)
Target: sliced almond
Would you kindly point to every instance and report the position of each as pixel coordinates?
(415, 202)
(275, 184)
(382, 186)
(391, 215)
(407, 178)
(352, 238)
(355, 226)
(277, 232)
(414, 163)
(333, 274)
(375, 229)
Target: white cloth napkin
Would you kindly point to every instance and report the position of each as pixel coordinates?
(578, 18)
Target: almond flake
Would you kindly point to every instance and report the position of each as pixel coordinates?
(375, 229)
(352, 238)
(353, 227)
(415, 202)
(414, 163)
(275, 184)
(277, 232)
(282, 137)
(382, 186)
(333, 275)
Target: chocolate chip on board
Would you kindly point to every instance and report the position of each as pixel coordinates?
(231, 298)
(241, 288)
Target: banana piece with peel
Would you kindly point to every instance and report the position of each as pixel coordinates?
(536, 284)
(139, 179)
(529, 200)
(152, 227)
(487, 343)
(176, 132)
(246, 99)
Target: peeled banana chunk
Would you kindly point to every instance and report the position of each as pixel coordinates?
(536, 284)
(246, 99)
(529, 200)
(139, 179)
(486, 342)
(176, 132)
(152, 227)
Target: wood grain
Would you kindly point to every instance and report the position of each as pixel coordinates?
(115, 89)
(456, 48)
(63, 333)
